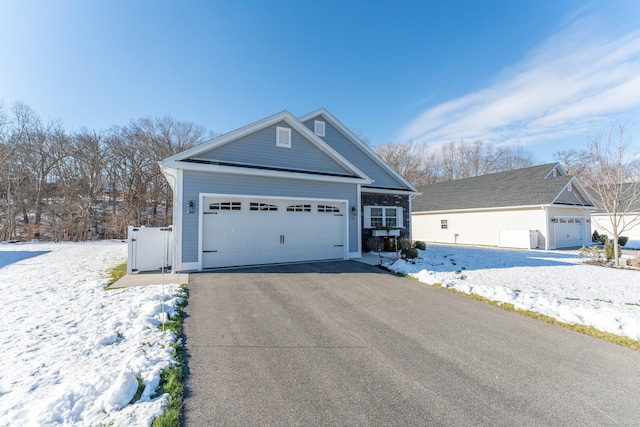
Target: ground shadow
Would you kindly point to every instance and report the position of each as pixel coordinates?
(10, 257)
(320, 267)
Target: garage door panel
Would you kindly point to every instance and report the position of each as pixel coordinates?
(569, 232)
(267, 231)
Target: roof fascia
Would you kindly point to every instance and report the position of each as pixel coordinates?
(470, 210)
(263, 172)
(357, 141)
(389, 191)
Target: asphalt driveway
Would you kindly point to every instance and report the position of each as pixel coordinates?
(344, 343)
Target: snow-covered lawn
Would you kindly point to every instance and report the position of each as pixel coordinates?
(71, 351)
(554, 283)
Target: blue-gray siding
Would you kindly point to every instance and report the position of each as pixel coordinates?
(355, 155)
(196, 183)
(259, 148)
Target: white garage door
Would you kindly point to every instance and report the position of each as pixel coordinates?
(569, 232)
(253, 231)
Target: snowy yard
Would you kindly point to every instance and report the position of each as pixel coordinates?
(71, 351)
(554, 283)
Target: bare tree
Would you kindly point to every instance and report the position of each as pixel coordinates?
(513, 158)
(614, 180)
(415, 163)
(575, 162)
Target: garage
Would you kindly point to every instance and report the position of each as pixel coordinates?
(569, 232)
(254, 230)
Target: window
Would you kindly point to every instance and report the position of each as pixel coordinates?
(225, 206)
(262, 207)
(328, 208)
(318, 127)
(444, 224)
(299, 208)
(382, 216)
(283, 137)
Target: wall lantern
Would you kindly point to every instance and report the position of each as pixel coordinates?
(554, 220)
(191, 207)
(354, 211)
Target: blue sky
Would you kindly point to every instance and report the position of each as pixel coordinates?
(545, 74)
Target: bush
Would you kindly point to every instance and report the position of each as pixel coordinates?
(422, 246)
(409, 252)
(389, 245)
(635, 261)
(622, 240)
(595, 237)
(603, 238)
(609, 250)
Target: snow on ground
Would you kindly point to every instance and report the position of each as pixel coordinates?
(554, 283)
(71, 351)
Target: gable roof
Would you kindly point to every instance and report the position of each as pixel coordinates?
(533, 186)
(360, 145)
(188, 159)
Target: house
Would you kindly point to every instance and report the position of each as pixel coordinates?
(282, 189)
(601, 220)
(535, 207)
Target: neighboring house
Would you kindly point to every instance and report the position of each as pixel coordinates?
(601, 220)
(282, 189)
(535, 207)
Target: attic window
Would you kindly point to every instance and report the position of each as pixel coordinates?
(283, 137)
(318, 127)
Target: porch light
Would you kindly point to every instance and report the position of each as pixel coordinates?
(191, 207)
(554, 220)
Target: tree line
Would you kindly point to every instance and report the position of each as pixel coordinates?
(57, 184)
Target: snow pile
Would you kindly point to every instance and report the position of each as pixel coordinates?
(554, 283)
(72, 352)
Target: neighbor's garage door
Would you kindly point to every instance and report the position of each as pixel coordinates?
(569, 232)
(254, 231)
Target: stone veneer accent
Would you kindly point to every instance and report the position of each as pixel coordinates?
(379, 199)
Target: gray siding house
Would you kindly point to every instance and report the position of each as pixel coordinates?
(282, 189)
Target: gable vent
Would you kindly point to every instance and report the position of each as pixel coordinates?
(318, 127)
(283, 137)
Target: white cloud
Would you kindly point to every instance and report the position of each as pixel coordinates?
(574, 82)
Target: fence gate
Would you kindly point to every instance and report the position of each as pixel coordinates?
(150, 248)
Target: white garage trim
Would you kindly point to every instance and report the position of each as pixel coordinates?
(261, 203)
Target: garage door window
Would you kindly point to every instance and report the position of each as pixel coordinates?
(299, 208)
(225, 206)
(262, 207)
(328, 209)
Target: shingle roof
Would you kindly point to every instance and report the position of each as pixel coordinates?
(522, 187)
(627, 189)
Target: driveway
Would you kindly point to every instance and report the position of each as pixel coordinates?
(344, 343)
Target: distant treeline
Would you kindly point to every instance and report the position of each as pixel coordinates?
(85, 184)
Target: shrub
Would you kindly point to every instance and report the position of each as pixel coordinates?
(409, 252)
(593, 253)
(603, 238)
(635, 261)
(595, 237)
(622, 240)
(389, 245)
(420, 245)
(609, 250)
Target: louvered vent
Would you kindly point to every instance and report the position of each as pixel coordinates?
(283, 137)
(318, 127)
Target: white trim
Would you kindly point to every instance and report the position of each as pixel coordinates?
(202, 196)
(174, 176)
(389, 191)
(357, 141)
(319, 127)
(503, 208)
(265, 172)
(359, 217)
(283, 137)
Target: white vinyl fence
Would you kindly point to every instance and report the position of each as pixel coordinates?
(150, 248)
